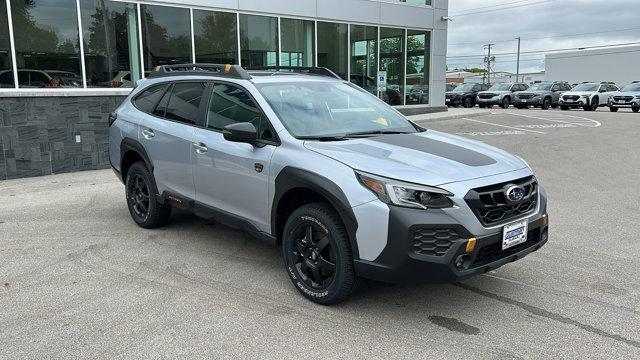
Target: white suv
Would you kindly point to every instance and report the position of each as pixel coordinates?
(589, 96)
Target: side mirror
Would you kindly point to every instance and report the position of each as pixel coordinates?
(241, 132)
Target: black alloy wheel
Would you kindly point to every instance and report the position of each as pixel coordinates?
(635, 109)
(613, 109)
(468, 103)
(313, 256)
(546, 104)
(139, 196)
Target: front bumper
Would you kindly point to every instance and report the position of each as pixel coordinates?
(456, 101)
(408, 258)
(536, 101)
(491, 101)
(625, 104)
(577, 103)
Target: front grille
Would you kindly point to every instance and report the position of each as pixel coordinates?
(571, 97)
(486, 96)
(434, 242)
(525, 96)
(491, 206)
(623, 98)
(493, 252)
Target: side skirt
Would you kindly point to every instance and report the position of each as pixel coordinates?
(218, 215)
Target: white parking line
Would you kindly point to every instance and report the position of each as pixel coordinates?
(505, 126)
(587, 123)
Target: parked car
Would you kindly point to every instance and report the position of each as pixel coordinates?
(67, 78)
(346, 185)
(31, 78)
(542, 95)
(629, 96)
(499, 94)
(464, 94)
(588, 95)
(419, 94)
(390, 96)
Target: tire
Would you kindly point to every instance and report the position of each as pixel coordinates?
(506, 101)
(613, 109)
(142, 201)
(564, 108)
(635, 109)
(467, 103)
(321, 269)
(546, 104)
(482, 106)
(521, 107)
(554, 106)
(595, 102)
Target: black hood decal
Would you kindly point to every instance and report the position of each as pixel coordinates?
(437, 148)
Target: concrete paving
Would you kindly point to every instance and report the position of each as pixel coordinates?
(79, 280)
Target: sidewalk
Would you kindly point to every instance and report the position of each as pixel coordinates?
(453, 113)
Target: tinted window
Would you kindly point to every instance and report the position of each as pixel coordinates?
(148, 99)
(230, 105)
(184, 102)
(161, 109)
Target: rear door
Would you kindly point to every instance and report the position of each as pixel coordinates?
(229, 176)
(168, 133)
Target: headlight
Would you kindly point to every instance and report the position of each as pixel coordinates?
(585, 96)
(394, 192)
(637, 97)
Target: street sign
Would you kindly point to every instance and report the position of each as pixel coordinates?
(382, 80)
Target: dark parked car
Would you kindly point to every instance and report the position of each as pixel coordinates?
(464, 94)
(390, 96)
(542, 95)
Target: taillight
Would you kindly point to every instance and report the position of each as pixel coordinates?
(112, 118)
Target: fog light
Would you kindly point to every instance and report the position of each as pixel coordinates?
(463, 262)
(471, 244)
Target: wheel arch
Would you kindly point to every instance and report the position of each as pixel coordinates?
(295, 187)
(132, 151)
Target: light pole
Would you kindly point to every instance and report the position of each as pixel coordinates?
(488, 46)
(518, 61)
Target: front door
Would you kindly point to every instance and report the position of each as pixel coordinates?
(233, 177)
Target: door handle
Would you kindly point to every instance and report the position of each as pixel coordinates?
(200, 148)
(148, 133)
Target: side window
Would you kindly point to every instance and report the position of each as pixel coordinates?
(524, 86)
(184, 102)
(148, 99)
(555, 87)
(613, 88)
(230, 105)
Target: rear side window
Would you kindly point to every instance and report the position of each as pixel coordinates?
(185, 101)
(230, 105)
(148, 99)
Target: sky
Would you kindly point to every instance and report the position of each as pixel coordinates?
(542, 25)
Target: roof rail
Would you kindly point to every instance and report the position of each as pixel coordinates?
(313, 70)
(225, 70)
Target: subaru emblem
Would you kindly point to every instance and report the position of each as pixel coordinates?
(515, 193)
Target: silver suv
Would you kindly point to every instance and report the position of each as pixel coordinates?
(347, 186)
(500, 94)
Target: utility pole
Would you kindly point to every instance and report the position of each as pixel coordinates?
(488, 61)
(518, 62)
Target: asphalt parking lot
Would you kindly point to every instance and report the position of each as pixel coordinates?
(79, 280)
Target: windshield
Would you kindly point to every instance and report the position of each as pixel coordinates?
(325, 109)
(500, 87)
(464, 87)
(586, 87)
(540, 87)
(632, 87)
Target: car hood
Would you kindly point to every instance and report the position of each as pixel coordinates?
(457, 93)
(533, 92)
(578, 93)
(627, 93)
(430, 157)
(494, 92)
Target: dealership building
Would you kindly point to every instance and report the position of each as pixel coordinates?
(65, 64)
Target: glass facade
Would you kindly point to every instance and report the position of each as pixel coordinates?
(166, 36)
(6, 69)
(392, 60)
(298, 40)
(418, 50)
(47, 43)
(215, 37)
(115, 43)
(333, 47)
(258, 41)
(110, 37)
(364, 56)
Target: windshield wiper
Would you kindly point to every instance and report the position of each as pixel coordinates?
(377, 132)
(324, 138)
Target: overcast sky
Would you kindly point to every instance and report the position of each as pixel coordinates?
(543, 18)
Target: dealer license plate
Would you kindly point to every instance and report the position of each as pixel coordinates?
(514, 234)
(524, 101)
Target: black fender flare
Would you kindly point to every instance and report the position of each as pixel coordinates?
(291, 178)
(129, 144)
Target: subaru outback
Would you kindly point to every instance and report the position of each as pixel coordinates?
(347, 186)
